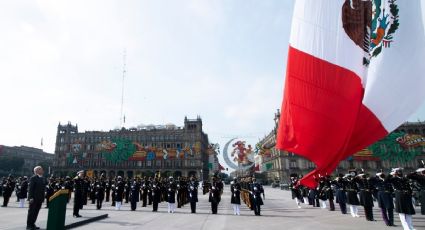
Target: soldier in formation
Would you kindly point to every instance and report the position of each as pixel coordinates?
(256, 189)
(156, 193)
(78, 194)
(99, 191)
(134, 193)
(294, 187)
(22, 192)
(192, 191)
(171, 195)
(392, 192)
(215, 191)
(119, 192)
(385, 198)
(8, 186)
(235, 199)
(340, 186)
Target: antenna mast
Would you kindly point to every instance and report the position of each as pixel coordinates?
(124, 71)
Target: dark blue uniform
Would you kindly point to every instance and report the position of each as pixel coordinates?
(340, 185)
(134, 194)
(192, 195)
(256, 190)
(214, 196)
(385, 199)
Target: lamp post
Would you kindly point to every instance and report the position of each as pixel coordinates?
(276, 121)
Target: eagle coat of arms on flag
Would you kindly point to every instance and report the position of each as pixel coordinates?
(370, 24)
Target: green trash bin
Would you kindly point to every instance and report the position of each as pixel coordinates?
(57, 210)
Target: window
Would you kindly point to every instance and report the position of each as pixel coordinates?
(293, 164)
(358, 164)
(371, 164)
(148, 163)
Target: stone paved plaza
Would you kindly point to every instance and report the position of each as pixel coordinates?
(279, 212)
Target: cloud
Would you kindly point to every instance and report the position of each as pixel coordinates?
(62, 61)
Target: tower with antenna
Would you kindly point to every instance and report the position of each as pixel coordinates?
(124, 71)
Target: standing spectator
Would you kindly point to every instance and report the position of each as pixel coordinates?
(37, 186)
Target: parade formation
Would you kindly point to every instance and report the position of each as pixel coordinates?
(392, 192)
(149, 191)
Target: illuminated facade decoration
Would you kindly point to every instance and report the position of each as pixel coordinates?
(138, 151)
(404, 147)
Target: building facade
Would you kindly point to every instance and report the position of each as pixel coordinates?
(392, 152)
(139, 151)
(31, 157)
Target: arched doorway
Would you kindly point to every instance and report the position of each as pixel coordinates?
(103, 173)
(63, 174)
(192, 173)
(112, 173)
(177, 174)
(130, 174)
(120, 173)
(138, 173)
(148, 174)
(166, 174)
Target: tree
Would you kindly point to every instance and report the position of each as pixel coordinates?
(45, 165)
(223, 175)
(9, 164)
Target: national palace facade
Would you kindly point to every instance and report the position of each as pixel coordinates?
(404, 147)
(139, 151)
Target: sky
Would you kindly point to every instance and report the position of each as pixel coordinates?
(62, 61)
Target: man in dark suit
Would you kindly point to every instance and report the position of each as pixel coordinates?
(36, 191)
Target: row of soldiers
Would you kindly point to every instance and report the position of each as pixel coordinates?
(10, 184)
(151, 191)
(392, 191)
(148, 190)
